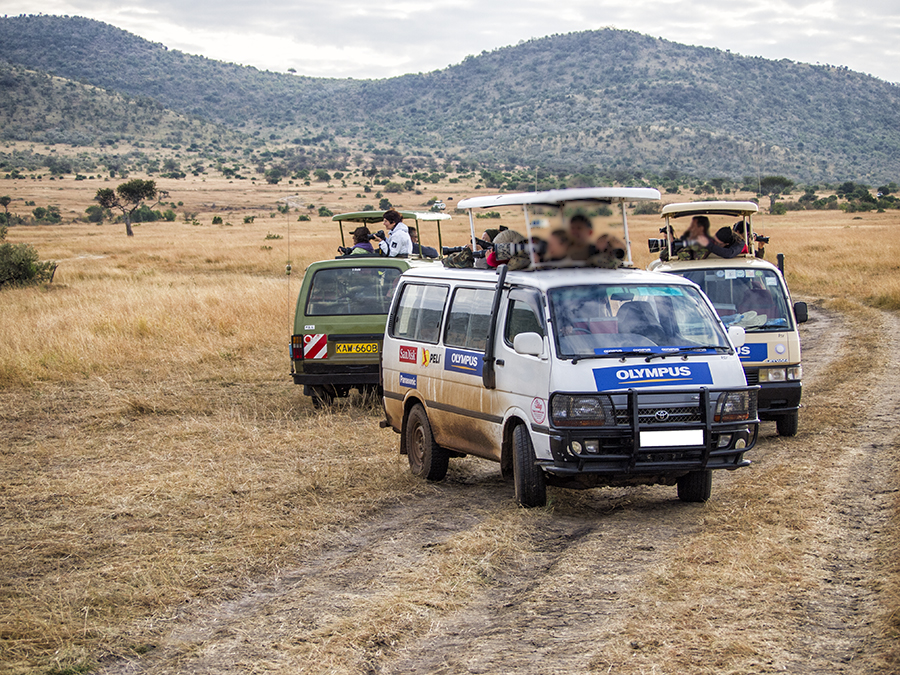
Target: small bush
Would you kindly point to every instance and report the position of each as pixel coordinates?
(19, 265)
(217, 220)
(325, 212)
(249, 219)
(273, 236)
(303, 218)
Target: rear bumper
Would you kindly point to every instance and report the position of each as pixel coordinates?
(339, 375)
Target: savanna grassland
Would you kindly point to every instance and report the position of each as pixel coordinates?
(171, 502)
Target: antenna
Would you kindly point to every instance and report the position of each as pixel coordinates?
(291, 202)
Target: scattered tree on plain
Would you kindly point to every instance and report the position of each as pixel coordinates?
(127, 197)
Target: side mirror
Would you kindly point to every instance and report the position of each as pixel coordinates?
(531, 344)
(801, 312)
(737, 335)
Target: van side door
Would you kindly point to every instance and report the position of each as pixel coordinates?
(523, 379)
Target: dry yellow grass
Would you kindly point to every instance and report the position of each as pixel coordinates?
(155, 451)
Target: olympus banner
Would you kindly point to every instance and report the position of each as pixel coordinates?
(464, 362)
(629, 377)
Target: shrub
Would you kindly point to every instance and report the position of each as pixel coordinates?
(249, 219)
(325, 212)
(647, 208)
(19, 265)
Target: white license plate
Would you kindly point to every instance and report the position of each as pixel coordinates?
(677, 437)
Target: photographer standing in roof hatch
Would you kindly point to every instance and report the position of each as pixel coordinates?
(397, 243)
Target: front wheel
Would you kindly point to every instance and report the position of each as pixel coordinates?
(427, 459)
(695, 486)
(788, 424)
(529, 479)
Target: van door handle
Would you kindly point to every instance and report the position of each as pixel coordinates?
(500, 362)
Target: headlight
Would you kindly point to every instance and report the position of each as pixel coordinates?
(581, 411)
(780, 374)
(735, 406)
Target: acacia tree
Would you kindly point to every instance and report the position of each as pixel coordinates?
(128, 197)
(774, 186)
(5, 201)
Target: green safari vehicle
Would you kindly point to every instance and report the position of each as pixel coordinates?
(341, 312)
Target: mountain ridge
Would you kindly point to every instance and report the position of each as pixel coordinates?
(614, 99)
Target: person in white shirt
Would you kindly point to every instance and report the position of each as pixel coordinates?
(397, 242)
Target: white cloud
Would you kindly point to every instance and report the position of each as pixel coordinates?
(366, 40)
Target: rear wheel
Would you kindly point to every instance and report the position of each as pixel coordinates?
(529, 479)
(427, 459)
(322, 396)
(788, 424)
(695, 486)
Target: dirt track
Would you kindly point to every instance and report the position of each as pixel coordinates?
(572, 584)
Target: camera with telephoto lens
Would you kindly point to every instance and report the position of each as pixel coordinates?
(657, 245)
(380, 235)
(760, 239)
(345, 250)
(485, 245)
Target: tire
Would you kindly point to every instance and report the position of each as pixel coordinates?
(529, 478)
(695, 486)
(322, 396)
(426, 458)
(788, 424)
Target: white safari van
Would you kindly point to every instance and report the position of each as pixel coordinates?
(751, 293)
(566, 375)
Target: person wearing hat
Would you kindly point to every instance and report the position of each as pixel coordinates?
(361, 245)
(724, 244)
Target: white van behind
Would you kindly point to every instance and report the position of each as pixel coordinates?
(570, 376)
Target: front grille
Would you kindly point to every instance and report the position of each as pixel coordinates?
(676, 415)
(752, 377)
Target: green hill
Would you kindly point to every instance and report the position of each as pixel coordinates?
(615, 100)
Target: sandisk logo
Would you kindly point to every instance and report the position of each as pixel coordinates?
(409, 354)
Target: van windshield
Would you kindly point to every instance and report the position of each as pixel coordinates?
(752, 299)
(608, 320)
(349, 291)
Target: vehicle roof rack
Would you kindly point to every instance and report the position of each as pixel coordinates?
(369, 217)
(742, 210)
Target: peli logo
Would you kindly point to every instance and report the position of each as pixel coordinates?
(409, 354)
(651, 376)
(429, 358)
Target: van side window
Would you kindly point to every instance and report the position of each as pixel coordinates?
(470, 319)
(522, 316)
(419, 313)
(348, 291)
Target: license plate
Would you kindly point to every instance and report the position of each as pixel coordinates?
(356, 348)
(677, 437)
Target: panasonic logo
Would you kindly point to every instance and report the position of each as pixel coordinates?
(626, 374)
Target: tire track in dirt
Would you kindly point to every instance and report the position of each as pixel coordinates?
(839, 634)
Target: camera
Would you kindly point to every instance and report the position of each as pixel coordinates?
(507, 251)
(657, 245)
(380, 235)
(760, 239)
(485, 245)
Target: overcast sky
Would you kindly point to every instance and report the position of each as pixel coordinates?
(371, 39)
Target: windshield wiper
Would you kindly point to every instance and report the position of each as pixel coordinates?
(685, 351)
(615, 355)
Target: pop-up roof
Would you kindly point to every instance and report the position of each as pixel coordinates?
(558, 199)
